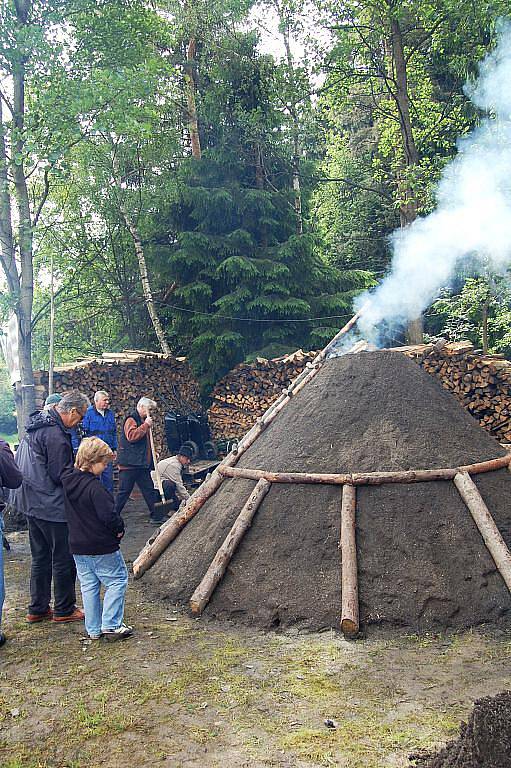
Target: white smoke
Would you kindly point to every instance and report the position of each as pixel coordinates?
(473, 214)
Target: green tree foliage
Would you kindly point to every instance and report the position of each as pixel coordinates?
(365, 158)
(480, 310)
(246, 279)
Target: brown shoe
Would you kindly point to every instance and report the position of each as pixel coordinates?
(77, 615)
(33, 618)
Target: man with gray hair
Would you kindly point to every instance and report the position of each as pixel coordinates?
(99, 421)
(135, 459)
(45, 453)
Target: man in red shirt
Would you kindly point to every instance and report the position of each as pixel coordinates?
(135, 460)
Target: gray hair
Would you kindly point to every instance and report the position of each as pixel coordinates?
(146, 402)
(72, 400)
(100, 393)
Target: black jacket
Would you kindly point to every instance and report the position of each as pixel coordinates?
(134, 449)
(43, 455)
(91, 518)
(10, 476)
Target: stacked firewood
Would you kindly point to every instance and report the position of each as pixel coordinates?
(127, 376)
(249, 389)
(482, 384)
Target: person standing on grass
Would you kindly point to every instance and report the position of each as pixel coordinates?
(44, 453)
(99, 421)
(95, 532)
(135, 459)
(10, 477)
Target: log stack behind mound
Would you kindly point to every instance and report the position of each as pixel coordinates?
(249, 389)
(127, 376)
(481, 383)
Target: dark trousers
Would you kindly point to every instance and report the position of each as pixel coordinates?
(51, 559)
(128, 478)
(169, 491)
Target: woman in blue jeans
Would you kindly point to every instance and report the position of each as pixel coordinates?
(95, 532)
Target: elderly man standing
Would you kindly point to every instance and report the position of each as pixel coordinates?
(135, 460)
(99, 421)
(44, 454)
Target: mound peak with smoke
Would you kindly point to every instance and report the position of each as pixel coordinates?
(473, 213)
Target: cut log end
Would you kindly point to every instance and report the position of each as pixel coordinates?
(195, 608)
(349, 627)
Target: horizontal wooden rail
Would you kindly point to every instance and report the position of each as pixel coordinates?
(366, 478)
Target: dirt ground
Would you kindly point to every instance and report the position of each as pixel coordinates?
(185, 692)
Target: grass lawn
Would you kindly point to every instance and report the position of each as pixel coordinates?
(12, 439)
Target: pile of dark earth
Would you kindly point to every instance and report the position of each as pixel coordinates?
(484, 742)
(422, 563)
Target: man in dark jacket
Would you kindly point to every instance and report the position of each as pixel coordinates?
(43, 455)
(10, 477)
(134, 458)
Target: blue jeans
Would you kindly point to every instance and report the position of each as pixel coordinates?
(107, 477)
(111, 572)
(2, 585)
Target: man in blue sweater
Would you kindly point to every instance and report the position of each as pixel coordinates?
(99, 421)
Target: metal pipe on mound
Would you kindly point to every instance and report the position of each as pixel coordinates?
(168, 531)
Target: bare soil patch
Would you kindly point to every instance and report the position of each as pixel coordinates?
(187, 694)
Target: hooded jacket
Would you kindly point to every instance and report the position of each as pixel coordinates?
(92, 521)
(10, 476)
(43, 455)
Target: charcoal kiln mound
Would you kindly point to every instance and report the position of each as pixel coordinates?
(422, 564)
(484, 742)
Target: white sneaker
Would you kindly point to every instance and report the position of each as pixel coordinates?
(121, 633)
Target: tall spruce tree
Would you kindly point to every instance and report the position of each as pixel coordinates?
(247, 281)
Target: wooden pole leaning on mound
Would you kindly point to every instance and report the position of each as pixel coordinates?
(348, 546)
(216, 570)
(486, 525)
(169, 530)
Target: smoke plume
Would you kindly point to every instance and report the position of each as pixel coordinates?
(473, 213)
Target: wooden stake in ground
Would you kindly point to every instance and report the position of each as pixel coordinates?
(484, 521)
(216, 570)
(348, 547)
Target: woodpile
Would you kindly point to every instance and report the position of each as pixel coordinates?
(127, 376)
(482, 384)
(249, 389)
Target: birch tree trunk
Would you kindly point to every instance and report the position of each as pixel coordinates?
(146, 285)
(16, 240)
(24, 304)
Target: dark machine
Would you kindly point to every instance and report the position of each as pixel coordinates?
(185, 426)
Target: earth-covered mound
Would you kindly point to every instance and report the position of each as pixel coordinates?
(422, 563)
